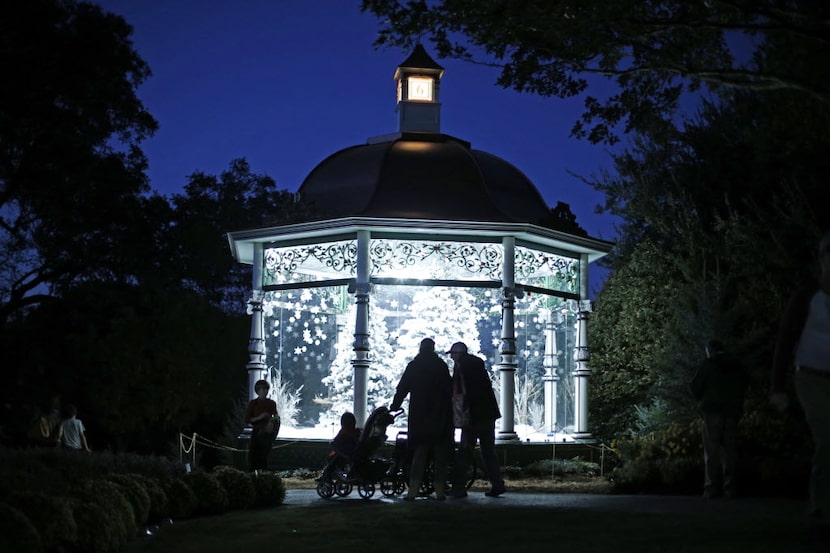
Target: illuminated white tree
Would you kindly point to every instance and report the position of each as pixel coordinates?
(400, 317)
(444, 314)
(382, 376)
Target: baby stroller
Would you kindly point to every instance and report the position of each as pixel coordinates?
(364, 469)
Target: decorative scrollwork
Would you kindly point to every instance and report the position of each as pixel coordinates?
(559, 272)
(439, 259)
(284, 264)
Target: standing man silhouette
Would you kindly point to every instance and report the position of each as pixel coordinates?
(426, 380)
(484, 410)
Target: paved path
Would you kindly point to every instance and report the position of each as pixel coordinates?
(755, 507)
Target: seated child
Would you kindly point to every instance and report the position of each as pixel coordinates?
(343, 445)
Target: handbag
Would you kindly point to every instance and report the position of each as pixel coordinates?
(272, 426)
(460, 409)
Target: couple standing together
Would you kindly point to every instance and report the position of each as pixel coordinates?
(430, 387)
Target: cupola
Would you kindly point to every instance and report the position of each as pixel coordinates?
(418, 77)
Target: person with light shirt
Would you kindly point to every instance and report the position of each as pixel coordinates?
(804, 340)
(72, 433)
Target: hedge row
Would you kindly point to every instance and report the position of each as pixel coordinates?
(53, 501)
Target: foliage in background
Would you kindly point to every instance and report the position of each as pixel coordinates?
(627, 335)
(666, 461)
(72, 180)
(729, 212)
(632, 62)
(112, 297)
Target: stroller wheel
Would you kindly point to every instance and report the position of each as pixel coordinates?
(325, 488)
(389, 487)
(342, 488)
(366, 490)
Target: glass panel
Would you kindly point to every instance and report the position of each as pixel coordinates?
(311, 263)
(301, 329)
(545, 341)
(423, 259)
(308, 348)
(546, 270)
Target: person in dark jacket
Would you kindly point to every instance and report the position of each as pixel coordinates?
(804, 342)
(470, 375)
(427, 381)
(719, 386)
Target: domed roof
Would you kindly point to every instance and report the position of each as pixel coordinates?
(417, 175)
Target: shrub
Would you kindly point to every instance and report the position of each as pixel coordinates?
(97, 531)
(238, 486)
(561, 467)
(211, 498)
(146, 465)
(109, 497)
(666, 461)
(17, 533)
(269, 489)
(181, 500)
(134, 491)
(30, 470)
(51, 517)
(158, 498)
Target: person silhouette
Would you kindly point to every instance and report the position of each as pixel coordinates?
(804, 341)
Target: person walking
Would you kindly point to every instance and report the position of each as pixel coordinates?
(804, 340)
(262, 415)
(470, 375)
(719, 386)
(427, 381)
(72, 433)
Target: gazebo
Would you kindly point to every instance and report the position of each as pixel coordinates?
(421, 235)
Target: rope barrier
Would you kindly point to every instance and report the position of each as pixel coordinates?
(205, 442)
(601, 447)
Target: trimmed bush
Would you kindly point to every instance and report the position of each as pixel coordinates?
(238, 485)
(560, 467)
(134, 491)
(181, 500)
(269, 489)
(109, 497)
(158, 498)
(31, 470)
(211, 498)
(50, 515)
(151, 466)
(17, 533)
(97, 531)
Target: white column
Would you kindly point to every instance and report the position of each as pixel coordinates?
(256, 343)
(360, 362)
(551, 364)
(582, 372)
(507, 365)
